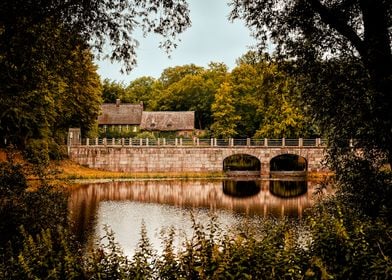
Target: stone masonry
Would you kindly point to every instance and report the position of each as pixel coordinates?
(184, 159)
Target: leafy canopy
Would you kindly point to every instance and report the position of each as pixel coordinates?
(48, 81)
(342, 52)
(102, 24)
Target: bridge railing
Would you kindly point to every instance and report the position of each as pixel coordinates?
(197, 142)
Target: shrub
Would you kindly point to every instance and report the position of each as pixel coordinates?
(44, 208)
(37, 152)
(51, 254)
(144, 135)
(56, 151)
(347, 245)
(107, 261)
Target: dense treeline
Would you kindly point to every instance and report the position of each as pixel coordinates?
(255, 99)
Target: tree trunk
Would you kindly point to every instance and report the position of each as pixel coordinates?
(376, 53)
(377, 58)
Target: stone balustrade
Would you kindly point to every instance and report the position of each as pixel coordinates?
(197, 142)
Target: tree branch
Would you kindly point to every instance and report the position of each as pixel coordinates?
(334, 19)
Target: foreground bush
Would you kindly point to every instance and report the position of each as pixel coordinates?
(43, 208)
(325, 246)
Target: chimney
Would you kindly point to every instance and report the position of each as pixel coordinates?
(142, 105)
(118, 101)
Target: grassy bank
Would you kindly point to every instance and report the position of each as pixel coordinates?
(68, 169)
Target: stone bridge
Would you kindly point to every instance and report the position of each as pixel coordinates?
(190, 155)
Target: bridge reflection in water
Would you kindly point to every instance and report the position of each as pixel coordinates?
(241, 188)
(244, 197)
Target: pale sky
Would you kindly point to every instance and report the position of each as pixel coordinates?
(211, 38)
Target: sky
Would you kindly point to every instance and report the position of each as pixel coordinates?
(211, 38)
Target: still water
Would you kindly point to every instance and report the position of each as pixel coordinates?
(160, 204)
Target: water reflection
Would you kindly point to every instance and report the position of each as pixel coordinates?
(241, 188)
(258, 198)
(288, 188)
(95, 204)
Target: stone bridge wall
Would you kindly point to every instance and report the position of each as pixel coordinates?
(184, 159)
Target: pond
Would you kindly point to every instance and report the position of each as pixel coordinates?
(159, 204)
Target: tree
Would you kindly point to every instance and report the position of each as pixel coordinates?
(223, 111)
(41, 97)
(247, 92)
(112, 90)
(266, 99)
(172, 75)
(340, 53)
(318, 36)
(282, 122)
(188, 94)
(79, 104)
(253, 58)
(142, 89)
(101, 23)
(43, 46)
(214, 76)
(190, 87)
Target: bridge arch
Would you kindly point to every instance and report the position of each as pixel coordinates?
(288, 162)
(241, 163)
